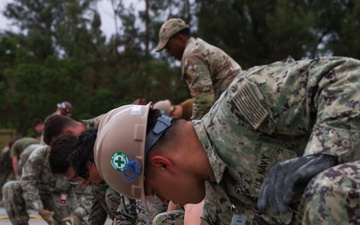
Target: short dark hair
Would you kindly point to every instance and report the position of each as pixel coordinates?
(169, 134)
(37, 121)
(55, 125)
(83, 153)
(60, 150)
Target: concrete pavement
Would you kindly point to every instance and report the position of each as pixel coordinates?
(35, 219)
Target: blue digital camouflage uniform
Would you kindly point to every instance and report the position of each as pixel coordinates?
(39, 189)
(272, 113)
(208, 71)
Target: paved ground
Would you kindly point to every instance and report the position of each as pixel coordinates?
(35, 219)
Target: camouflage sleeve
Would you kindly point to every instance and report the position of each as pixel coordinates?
(145, 217)
(336, 189)
(338, 109)
(94, 122)
(31, 176)
(198, 79)
(97, 214)
(126, 213)
(84, 199)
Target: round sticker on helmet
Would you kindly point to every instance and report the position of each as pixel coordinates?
(119, 161)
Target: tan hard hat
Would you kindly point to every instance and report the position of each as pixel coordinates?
(119, 149)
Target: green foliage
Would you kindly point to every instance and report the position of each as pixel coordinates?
(60, 53)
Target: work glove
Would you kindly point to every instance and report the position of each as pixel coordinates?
(278, 187)
(74, 219)
(47, 216)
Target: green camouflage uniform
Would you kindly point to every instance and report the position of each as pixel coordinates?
(208, 71)
(5, 167)
(145, 217)
(24, 156)
(175, 217)
(134, 209)
(39, 189)
(94, 122)
(333, 196)
(273, 113)
(106, 203)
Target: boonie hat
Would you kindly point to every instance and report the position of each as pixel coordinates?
(168, 29)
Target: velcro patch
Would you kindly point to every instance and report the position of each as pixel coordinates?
(248, 102)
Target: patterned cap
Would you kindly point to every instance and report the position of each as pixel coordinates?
(168, 29)
(65, 108)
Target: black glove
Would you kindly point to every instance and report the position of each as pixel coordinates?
(278, 187)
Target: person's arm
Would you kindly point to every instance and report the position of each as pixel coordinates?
(14, 161)
(31, 176)
(193, 213)
(199, 81)
(84, 199)
(97, 213)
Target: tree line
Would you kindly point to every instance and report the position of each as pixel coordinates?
(60, 53)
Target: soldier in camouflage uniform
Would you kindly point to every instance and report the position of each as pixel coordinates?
(276, 127)
(41, 190)
(17, 148)
(24, 156)
(207, 70)
(333, 196)
(80, 154)
(5, 168)
(38, 189)
(128, 208)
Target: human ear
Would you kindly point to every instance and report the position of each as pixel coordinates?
(162, 163)
(69, 131)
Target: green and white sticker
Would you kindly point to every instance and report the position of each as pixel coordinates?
(119, 161)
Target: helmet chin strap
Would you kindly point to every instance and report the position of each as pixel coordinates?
(162, 124)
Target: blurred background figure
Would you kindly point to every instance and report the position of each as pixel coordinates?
(182, 110)
(64, 108)
(38, 126)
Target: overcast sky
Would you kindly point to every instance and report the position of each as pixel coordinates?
(104, 8)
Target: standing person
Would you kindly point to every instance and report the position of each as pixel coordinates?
(64, 108)
(207, 70)
(276, 126)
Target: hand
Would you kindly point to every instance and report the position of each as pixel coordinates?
(47, 216)
(74, 219)
(278, 187)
